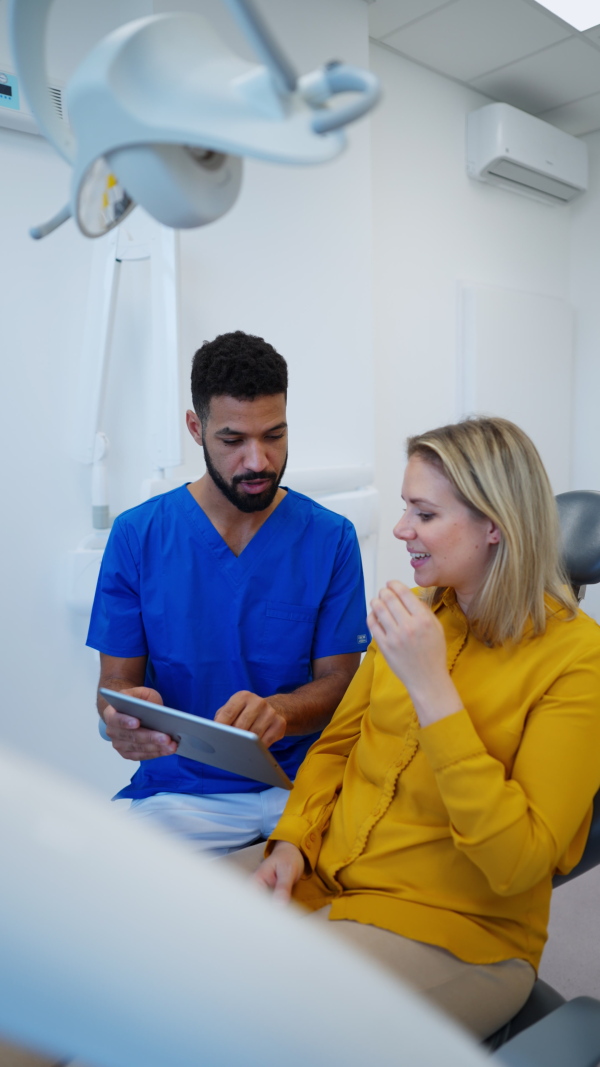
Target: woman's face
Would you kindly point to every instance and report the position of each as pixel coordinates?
(448, 544)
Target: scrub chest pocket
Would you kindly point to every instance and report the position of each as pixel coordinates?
(287, 632)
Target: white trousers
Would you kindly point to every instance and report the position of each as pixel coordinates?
(217, 823)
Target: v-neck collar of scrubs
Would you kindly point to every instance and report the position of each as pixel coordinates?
(235, 567)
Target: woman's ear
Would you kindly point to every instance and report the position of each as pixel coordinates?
(494, 533)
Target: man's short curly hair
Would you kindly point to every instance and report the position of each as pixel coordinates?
(236, 364)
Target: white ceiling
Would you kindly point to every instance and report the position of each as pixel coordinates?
(511, 50)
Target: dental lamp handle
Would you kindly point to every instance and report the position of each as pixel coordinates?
(334, 78)
(37, 232)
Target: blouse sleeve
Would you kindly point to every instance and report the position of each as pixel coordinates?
(521, 829)
(319, 780)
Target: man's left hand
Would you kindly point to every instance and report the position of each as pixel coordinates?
(247, 711)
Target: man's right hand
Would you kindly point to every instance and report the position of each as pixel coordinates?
(131, 740)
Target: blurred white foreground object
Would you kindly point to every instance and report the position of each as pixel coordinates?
(162, 111)
(123, 949)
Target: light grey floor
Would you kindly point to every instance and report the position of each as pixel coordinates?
(571, 960)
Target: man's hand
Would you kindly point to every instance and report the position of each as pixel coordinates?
(248, 711)
(131, 740)
(281, 870)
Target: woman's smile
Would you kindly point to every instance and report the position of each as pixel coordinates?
(449, 543)
(418, 559)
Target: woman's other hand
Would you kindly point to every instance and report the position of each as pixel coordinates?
(281, 870)
(413, 644)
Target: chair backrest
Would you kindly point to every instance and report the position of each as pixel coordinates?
(591, 852)
(579, 516)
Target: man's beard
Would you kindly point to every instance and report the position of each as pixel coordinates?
(245, 502)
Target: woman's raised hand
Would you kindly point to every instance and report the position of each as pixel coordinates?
(413, 644)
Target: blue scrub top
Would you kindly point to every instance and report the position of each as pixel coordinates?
(212, 623)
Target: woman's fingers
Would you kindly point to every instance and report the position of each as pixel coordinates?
(407, 598)
(396, 608)
(381, 616)
(390, 607)
(375, 627)
(409, 636)
(281, 870)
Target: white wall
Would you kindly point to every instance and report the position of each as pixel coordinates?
(70, 36)
(434, 229)
(291, 262)
(585, 297)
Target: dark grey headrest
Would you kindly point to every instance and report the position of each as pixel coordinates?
(579, 516)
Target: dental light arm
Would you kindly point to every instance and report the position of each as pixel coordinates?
(162, 113)
(315, 88)
(264, 44)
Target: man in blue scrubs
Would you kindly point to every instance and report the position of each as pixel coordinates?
(230, 598)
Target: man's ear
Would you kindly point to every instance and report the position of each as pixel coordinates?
(194, 426)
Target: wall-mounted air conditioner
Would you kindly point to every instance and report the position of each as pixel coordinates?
(510, 148)
(14, 112)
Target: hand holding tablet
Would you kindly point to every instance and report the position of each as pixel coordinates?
(220, 745)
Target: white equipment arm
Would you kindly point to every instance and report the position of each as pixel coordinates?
(98, 326)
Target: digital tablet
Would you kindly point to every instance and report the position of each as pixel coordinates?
(226, 747)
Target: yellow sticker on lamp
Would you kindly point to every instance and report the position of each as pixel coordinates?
(101, 200)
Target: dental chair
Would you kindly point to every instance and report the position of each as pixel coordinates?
(550, 1031)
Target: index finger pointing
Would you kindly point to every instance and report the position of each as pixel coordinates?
(230, 711)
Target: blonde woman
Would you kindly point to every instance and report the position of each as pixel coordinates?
(458, 773)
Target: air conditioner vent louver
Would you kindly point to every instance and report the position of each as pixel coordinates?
(510, 148)
(57, 99)
(14, 112)
(531, 179)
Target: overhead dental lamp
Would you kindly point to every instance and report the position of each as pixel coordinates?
(161, 113)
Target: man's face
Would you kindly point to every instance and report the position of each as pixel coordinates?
(245, 448)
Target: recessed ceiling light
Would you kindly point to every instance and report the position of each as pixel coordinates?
(582, 14)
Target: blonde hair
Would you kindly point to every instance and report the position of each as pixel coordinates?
(496, 471)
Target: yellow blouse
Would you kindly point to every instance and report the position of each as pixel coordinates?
(450, 834)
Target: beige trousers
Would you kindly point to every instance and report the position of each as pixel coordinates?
(481, 997)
